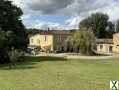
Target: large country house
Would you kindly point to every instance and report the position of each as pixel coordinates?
(49, 40)
(53, 40)
(108, 45)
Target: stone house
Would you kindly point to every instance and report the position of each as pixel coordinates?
(116, 43)
(104, 45)
(108, 45)
(49, 40)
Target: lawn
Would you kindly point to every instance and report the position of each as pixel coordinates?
(46, 73)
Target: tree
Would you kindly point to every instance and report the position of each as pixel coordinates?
(87, 42)
(117, 26)
(69, 45)
(32, 32)
(99, 24)
(3, 44)
(82, 41)
(12, 30)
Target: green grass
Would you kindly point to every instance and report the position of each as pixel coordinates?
(45, 73)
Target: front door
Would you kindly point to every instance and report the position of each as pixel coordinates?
(110, 49)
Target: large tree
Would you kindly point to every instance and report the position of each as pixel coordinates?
(99, 23)
(117, 26)
(32, 32)
(12, 30)
(82, 41)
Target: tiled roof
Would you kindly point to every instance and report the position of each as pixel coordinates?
(104, 41)
(53, 32)
(116, 34)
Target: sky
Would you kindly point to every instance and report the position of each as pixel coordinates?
(63, 14)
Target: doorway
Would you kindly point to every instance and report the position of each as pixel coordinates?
(110, 49)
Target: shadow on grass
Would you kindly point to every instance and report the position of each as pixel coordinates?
(17, 66)
(43, 58)
(28, 63)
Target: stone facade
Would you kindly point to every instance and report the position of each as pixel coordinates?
(51, 40)
(104, 45)
(54, 40)
(41, 41)
(116, 43)
(108, 45)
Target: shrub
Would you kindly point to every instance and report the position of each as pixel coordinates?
(37, 50)
(15, 55)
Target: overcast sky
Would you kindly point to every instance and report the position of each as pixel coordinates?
(63, 14)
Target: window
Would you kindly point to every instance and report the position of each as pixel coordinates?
(101, 46)
(117, 46)
(38, 41)
(110, 49)
(31, 40)
(60, 38)
(45, 38)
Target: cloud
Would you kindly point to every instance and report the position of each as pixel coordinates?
(77, 9)
(82, 6)
(26, 17)
(66, 7)
(62, 7)
(44, 25)
(52, 25)
(73, 22)
(112, 10)
(48, 6)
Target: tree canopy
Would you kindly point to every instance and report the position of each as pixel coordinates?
(117, 26)
(12, 30)
(83, 41)
(99, 23)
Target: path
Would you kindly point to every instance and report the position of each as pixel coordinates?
(65, 55)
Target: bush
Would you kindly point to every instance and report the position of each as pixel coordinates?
(37, 50)
(4, 58)
(15, 55)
